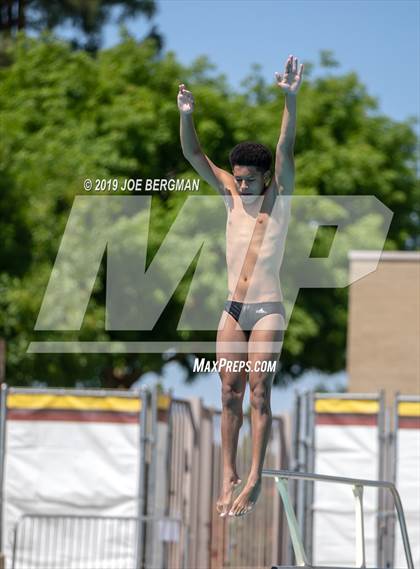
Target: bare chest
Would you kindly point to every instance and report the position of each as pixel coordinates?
(262, 233)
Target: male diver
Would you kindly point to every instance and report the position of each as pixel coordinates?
(258, 208)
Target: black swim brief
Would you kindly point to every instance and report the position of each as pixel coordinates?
(248, 314)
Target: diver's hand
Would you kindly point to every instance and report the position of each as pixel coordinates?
(291, 79)
(185, 100)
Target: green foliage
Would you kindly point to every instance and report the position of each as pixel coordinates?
(67, 116)
(327, 58)
(85, 17)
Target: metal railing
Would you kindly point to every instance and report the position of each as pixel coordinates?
(53, 541)
(95, 542)
(281, 477)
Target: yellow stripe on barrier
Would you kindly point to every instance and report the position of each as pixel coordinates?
(409, 408)
(163, 402)
(79, 402)
(75, 402)
(360, 406)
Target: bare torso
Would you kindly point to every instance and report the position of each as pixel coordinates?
(255, 239)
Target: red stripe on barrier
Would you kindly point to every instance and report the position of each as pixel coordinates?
(345, 419)
(69, 415)
(409, 422)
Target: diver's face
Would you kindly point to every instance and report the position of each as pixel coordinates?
(250, 182)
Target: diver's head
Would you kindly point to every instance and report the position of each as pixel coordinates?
(250, 162)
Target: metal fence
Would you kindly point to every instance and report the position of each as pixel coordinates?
(94, 542)
(304, 454)
(74, 542)
(174, 523)
(180, 468)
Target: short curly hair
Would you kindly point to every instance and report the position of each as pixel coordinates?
(251, 154)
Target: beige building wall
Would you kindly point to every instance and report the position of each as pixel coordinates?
(383, 341)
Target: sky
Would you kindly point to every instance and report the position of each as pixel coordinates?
(379, 40)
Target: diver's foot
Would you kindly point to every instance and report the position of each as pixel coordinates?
(247, 499)
(224, 502)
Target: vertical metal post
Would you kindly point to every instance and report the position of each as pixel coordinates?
(309, 510)
(304, 511)
(186, 534)
(383, 537)
(295, 536)
(393, 478)
(403, 527)
(3, 416)
(360, 527)
(300, 510)
(14, 545)
(295, 463)
(141, 482)
(295, 433)
(380, 518)
(151, 497)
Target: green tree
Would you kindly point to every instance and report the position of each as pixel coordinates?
(86, 16)
(67, 115)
